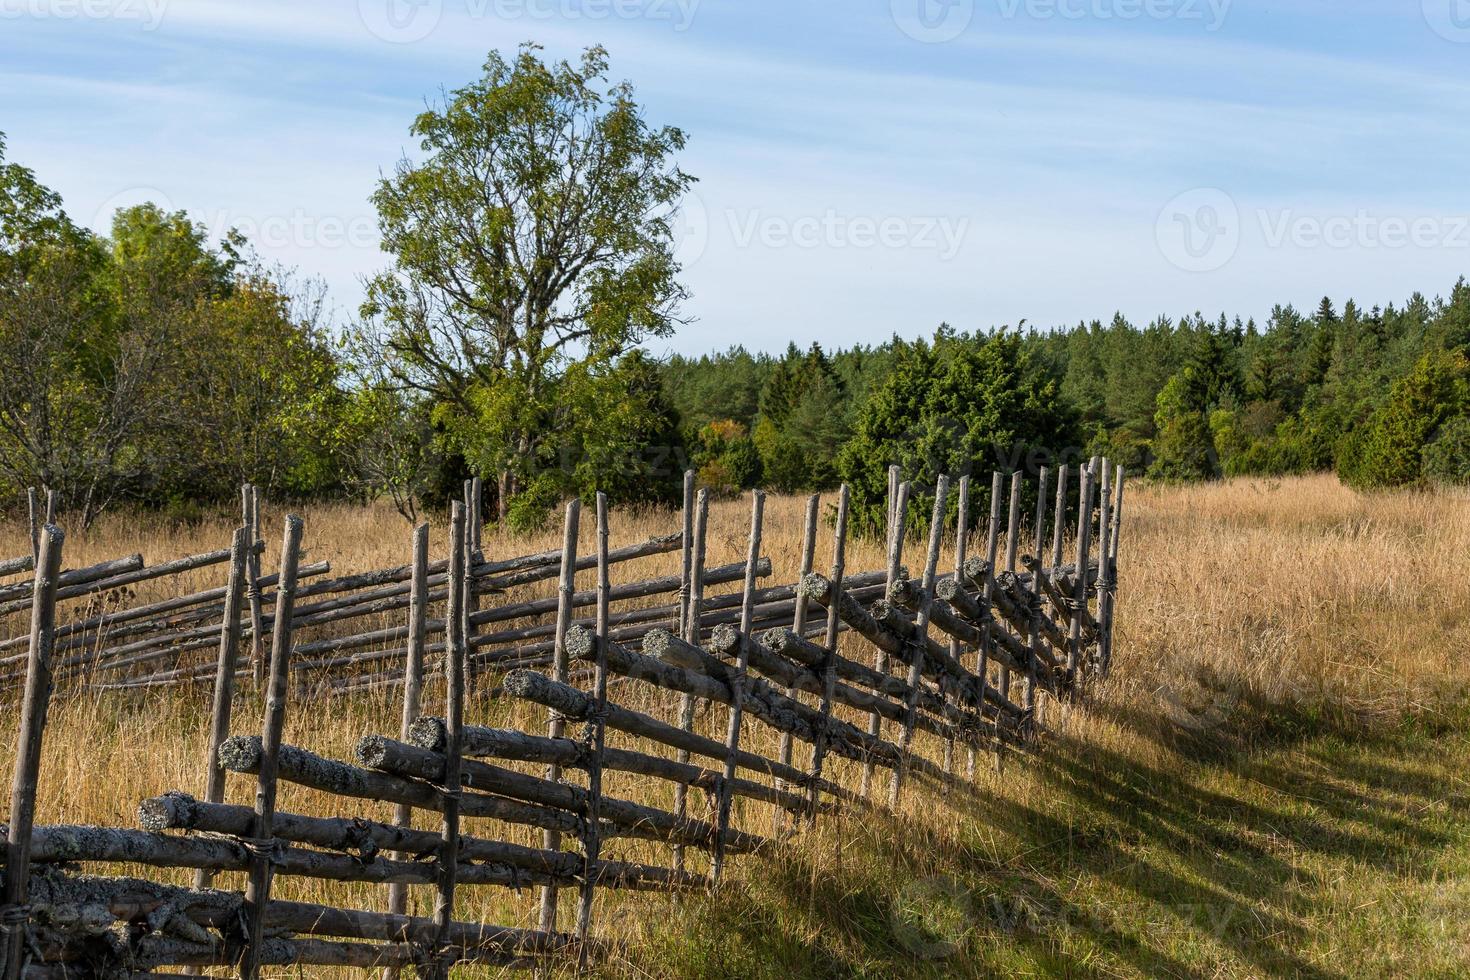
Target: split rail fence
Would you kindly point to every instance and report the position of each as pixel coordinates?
(963, 658)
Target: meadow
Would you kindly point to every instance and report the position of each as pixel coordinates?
(1271, 782)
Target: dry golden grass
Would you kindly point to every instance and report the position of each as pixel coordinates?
(1270, 783)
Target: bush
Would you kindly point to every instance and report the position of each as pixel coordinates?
(1447, 457)
(1388, 449)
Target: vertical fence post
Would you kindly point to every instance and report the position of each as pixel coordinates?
(224, 679)
(454, 671)
(829, 641)
(258, 891)
(472, 555)
(691, 635)
(1084, 531)
(597, 733)
(556, 726)
(14, 917)
(477, 520)
(1038, 640)
(992, 543)
(737, 684)
(686, 566)
(961, 552)
(1109, 596)
(1013, 535)
(413, 690)
(1059, 521)
(798, 626)
(250, 517)
(921, 636)
(897, 530)
(34, 503)
(1104, 549)
(53, 505)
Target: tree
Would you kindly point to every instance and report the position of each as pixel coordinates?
(532, 246)
(1388, 449)
(960, 405)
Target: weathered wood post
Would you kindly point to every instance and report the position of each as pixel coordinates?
(686, 566)
(14, 917)
(454, 683)
(1037, 638)
(1109, 596)
(224, 679)
(1013, 535)
(1084, 532)
(250, 517)
(798, 626)
(737, 685)
(592, 840)
(1104, 550)
(413, 690)
(1059, 521)
(472, 553)
(556, 726)
(477, 520)
(34, 503)
(53, 506)
(992, 544)
(691, 635)
(829, 642)
(921, 622)
(961, 552)
(258, 891)
(897, 531)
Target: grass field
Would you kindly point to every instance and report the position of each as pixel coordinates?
(1271, 784)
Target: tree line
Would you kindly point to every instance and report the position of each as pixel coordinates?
(532, 266)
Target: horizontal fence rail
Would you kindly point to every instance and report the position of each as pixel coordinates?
(850, 671)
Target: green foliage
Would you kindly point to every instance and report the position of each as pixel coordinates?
(532, 250)
(959, 405)
(1447, 456)
(1388, 450)
(726, 458)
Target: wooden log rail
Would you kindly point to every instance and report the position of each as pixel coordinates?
(367, 840)
(515, 746)
(890, 634)
(760, 700)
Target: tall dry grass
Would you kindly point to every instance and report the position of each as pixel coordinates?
(1248, 612)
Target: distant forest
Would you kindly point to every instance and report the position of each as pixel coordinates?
(509, 338)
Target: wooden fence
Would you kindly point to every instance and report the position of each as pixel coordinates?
(962, 658)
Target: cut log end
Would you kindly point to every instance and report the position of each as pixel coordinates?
(372, 750)
(431, 733)
(171, 811)
(581, 643)
(241, 753)
(816, 586)
(726, 639)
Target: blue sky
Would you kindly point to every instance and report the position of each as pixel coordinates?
(866, 168)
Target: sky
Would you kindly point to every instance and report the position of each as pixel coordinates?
(866, 168)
